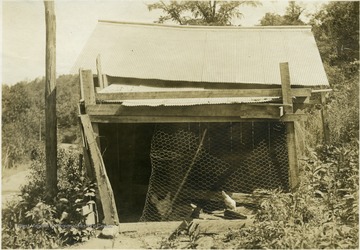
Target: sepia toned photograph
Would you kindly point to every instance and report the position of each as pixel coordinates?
(169, 124)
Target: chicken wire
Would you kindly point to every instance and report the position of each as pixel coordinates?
(232, 157)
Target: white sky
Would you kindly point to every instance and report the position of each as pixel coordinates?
(23, 29)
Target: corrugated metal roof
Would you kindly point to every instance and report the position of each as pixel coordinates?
(118, 88)
(204, 54)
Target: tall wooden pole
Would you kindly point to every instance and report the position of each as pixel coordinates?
(50, 100)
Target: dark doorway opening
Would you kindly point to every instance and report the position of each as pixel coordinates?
(126, 153)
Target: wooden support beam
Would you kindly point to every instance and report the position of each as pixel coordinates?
(88, 90)
(182, 119)
(325, 120)
(286, 88)
(240, 110)
(87, 87)
(290, 126)
(104, 186)
(213, 93)
(105, 80)
(99, 72)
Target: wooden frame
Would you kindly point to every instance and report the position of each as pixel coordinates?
(213, 93)
(107, 108)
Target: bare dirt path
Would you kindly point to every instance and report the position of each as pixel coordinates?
(10, 185)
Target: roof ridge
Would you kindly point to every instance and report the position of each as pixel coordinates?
(289, 27)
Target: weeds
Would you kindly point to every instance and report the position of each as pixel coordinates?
(321, 213)
(34, 222)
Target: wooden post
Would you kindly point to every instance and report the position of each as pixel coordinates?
(92, 155)
(290, 126)
(87, 89)
(104, 186)
(99, 72)
(325, 120)
(40, 128)
(50, 100)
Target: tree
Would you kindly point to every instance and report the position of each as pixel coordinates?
(272, 19)
(201, 12)
(336, 29)
(293, 13)
(292, 16)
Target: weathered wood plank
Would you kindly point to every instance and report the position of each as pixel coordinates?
(325, 120)
(176, 119)
(204, 226)
(88, 89)
(105, 80)
(104, 186)
(290, 126)
(81, 84)
(95, 128)
(286, 88)
(240, 110)
(292, 155)
(99, 71)
(213, 93)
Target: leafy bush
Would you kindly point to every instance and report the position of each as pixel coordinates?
(321, 213)
(35, 222)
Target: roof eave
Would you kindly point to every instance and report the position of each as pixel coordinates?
(291, 27)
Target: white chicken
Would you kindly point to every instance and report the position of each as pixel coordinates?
(230, 203)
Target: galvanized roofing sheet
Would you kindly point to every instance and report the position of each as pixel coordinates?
(204, 54)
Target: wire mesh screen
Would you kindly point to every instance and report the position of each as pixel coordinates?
(192, 163)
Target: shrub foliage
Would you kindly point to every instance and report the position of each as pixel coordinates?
(35, 222)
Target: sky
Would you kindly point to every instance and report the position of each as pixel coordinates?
(23, 29)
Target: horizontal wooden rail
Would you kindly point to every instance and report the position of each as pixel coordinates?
(108, 113)
(258, 111)
(213, 93)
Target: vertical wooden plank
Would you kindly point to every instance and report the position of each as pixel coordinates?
(104, 186)
(290, 126)
(293, 164)
(88, 89)
(95, 128)
(81, 83)
(87, 81)
(50, 101)
(106, 80)
(99, 71)
(325, 120)
(89, 170)
(286, 88)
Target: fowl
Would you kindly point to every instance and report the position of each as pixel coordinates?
(163, 206)
(230, 203)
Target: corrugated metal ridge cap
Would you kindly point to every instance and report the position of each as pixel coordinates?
(285, 27)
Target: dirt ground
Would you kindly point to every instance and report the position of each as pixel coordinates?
(211, 235)
(131, 240)
(171, 235)
(10, 185)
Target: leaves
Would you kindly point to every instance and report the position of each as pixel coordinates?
(292, 16)
(36, 223)
(200, 12)
(23, 124)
